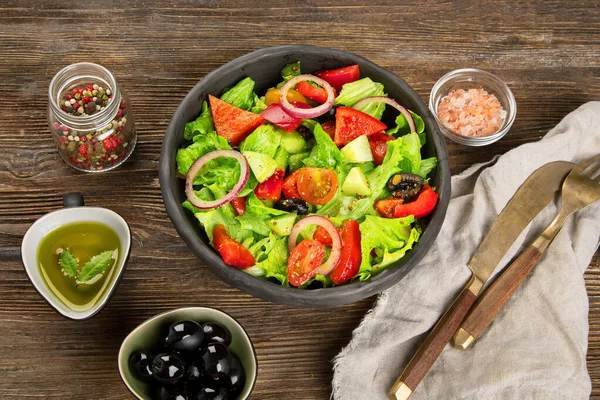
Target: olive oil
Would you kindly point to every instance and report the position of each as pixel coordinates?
(84, 240)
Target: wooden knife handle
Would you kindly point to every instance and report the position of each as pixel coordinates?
(490, 303)
(431, 349)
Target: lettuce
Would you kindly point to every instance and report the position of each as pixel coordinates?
(325, 154)
(241, 95)
(402, 128)
(390, 238)
(353, 92)
(265, 139)
(257, 207)
(271, 254)
(203, 144)
(201, 125)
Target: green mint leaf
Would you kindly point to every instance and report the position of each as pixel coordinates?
(68, 263)
(95, 267)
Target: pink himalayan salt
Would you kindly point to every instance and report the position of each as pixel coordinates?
(472, 112)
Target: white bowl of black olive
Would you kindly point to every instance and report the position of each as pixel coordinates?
(193, 353)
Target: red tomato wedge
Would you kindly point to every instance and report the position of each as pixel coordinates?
(231, 122)
(232, 252)
(350, 258)
(317, 94)
(239, 205)
(323, 237)
(290, 185)
(351, 123)
(378, 143)
(304, 261)
(276, 115)
(271, 188)
(317, 185)
(339, 77)
(329, 128)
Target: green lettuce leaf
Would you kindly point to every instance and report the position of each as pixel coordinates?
(390, 238)
(203, 144)
(353, 92)
(201, 126)
(265, 139)
(271, 254)
(402, 128)
(325, 154)
(427, 165)
(259, 105)
(241, 95)
(257, 207)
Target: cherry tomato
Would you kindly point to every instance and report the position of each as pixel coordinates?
(239, 205)
(271, 188)
(387, 207)
(272, 96)
(323, 237)
(232, 252)
(290, 185)
(304, 261)
(350, 258)
(378, 143)
(317, 185)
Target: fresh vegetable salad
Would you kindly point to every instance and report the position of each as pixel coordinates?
(304, 184)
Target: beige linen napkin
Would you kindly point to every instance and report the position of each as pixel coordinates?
(536, 347)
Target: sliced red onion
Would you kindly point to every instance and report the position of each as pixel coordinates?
(336, 247)
(393, 103)
(199, 163)
(306, 112)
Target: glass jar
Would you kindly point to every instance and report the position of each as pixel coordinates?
(90, 118)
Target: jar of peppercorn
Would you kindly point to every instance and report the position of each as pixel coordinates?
(90, 118)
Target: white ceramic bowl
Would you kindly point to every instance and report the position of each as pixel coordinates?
(55, 219)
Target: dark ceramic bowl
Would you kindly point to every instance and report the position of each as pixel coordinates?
(263, 66)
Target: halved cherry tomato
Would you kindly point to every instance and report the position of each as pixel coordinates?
(339, 77)
(317, 185)
(351, 123)
(271, 188)
(323, 237)
(329, 128)
(239, 205)
(290, 185)
(317, 94)
(387, 207)
(304, 261)
(232, 252)
(272, 96)
(231, 122)
(378, 143)
(350, 258)
(422, 206)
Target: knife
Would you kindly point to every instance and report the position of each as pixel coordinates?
(531, 197)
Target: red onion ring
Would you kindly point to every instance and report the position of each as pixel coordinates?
(199, 163)
(336, 248)
(306, 112)
(381, 99)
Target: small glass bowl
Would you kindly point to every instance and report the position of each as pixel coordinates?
(470, 78)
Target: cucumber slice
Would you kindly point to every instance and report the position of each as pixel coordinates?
(358, 150)
(356, 183)
(293, 142)
(295, 161)
(283, 224)
(281, 158)
(262, 165)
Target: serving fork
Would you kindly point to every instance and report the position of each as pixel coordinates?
(580, 189)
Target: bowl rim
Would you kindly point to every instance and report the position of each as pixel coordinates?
(114, 285)
(315, 298)
(468, 140)
(140, 326)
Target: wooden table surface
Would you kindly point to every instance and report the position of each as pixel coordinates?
(158, 50)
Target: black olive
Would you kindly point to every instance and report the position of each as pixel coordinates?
(235, 148)
(405, 185)
(214, 332)
(194, 372)
(170, 392)
(168, 368)
(237, 377)
(210, 392)
(292, 205)
(216, 361)
(186, 336)
(305, 132)
(140, 363)
(329, 115)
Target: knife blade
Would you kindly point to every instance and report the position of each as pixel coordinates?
(531, 197)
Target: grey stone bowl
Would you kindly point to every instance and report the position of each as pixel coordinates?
(263, 66)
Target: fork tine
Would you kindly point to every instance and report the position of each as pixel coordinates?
(585, 166)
